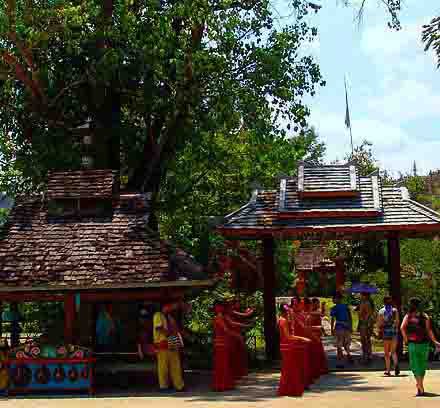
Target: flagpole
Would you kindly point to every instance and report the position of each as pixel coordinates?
(347, 115)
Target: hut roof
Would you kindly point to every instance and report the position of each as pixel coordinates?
(115, 249)
(371, 207)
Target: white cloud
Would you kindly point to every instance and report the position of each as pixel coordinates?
(410, 100)
(380, 42)
(393, 146)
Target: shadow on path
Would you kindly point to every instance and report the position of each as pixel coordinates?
(256, 388)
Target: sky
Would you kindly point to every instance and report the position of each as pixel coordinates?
(393, 84)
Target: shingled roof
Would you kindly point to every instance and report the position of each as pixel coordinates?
(81, 184)
(374, 208)
(114, 250)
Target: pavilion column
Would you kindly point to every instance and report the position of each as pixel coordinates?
(270, 324)
(69, 318)
(340, 273)
(394, 270)
(394, 279)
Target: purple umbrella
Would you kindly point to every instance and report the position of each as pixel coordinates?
(362, 288)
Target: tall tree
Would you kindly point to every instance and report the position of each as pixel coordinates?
(154, 75)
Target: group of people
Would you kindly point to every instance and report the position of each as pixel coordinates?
(415, 329)
(230, 351)
(303, 359)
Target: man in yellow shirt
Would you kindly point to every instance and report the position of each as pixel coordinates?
(168, 360)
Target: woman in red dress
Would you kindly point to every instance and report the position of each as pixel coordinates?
(315, 322)
(299, 329)
(223, 378)
(292, 381)
(239, 356)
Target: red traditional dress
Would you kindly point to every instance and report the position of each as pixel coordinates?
(318, 349)
(223, 378)
(292, 379)
(299, 329)
(239, 350)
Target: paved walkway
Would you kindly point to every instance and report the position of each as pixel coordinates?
(337, 390)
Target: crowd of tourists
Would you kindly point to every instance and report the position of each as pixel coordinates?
(415, 331)
(303, 358)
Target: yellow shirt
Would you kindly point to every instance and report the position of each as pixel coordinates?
(159, 320)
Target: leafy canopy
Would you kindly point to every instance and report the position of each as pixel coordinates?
(159, 76)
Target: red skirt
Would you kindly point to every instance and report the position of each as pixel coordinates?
(223, 379)
(238, 358)
(292, 366)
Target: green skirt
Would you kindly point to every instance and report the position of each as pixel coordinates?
(418, 358)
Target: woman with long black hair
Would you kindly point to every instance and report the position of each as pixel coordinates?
(417, 332)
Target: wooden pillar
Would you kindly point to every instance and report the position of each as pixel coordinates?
(270, 324)
(1, 319)
(394, 270)
(340, 274)
(394, 279)
(69, 318)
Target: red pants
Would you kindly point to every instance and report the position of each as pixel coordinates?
(223, 378)
(292, 368)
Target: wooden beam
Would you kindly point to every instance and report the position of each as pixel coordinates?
(69, 318)
(270, 325)
(287, 232)
(328, 194)
(328, 214)
(30, 297)
(129, 296)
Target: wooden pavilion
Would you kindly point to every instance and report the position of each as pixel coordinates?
(314, 260)
(84, 242)
(322, 203)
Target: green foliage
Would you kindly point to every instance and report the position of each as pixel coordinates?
(285, 256)
(4, 212)
(217, 176)
(431, 37)
(166, 77)
(415, 186)
(363, 157)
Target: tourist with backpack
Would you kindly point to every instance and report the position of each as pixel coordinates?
(417, 333)
(388, 323)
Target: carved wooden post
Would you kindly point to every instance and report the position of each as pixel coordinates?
(270, 324)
